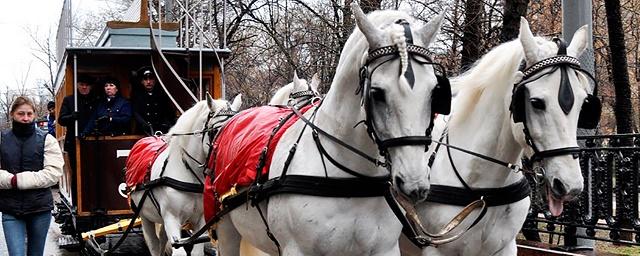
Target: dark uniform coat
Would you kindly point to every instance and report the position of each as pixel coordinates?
(86, 106)
(153, 111)
(112, 117)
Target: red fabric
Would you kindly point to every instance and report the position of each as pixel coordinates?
(237, 151)
(141, 158)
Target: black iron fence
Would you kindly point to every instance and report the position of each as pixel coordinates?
(607, 210)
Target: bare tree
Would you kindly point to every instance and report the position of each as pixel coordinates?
(513, 10)
(472, 38)
(44, 52)
(620, 76)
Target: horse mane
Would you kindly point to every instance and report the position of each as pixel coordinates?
(495, 70)
(282, 95)
(185, 123)
(192, 120)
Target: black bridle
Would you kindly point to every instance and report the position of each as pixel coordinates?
(365, 90)
(560, 62)
(212, 131)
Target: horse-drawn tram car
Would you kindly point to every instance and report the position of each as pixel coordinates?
(93, 208)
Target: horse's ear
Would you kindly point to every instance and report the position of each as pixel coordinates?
(429, 32)
(315, 82)
(528, 42)
(237, 103)
(210, 103)
(370, 31)
(579, 42)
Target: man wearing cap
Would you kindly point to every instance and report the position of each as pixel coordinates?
(68, 115)
(112, 115)
(51, 118)
(151, 106)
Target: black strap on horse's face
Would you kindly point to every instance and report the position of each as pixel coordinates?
(565, 97)
(411, 79)
(365, 88)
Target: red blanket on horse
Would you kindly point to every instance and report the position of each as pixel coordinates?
(237, 150)
(141, 158)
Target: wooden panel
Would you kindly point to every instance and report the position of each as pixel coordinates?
(217, 83)
(100, 173)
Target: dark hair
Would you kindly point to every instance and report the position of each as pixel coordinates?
(82, 78)
(51, 105)
(111, 80)
(19, 101)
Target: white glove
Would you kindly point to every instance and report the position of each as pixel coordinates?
(5, 179)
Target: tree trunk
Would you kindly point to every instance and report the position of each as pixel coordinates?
(471, 41)
(513, 10)
(370, 5)
(619, 72)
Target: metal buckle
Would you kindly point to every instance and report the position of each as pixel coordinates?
(538, 174)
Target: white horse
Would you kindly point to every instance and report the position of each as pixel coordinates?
(399, 100)
(282, 95)
(481, 121)
(174, 208)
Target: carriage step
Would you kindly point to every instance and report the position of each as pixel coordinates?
(69, 243)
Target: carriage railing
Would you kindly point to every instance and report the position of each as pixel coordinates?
(607, 210)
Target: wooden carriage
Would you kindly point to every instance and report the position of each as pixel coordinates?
(93, 194)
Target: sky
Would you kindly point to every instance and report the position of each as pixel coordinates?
(16, 46)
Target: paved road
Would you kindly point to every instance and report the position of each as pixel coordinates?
(51, 247)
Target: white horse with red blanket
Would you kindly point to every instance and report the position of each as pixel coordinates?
(177, 201)
(396, 86)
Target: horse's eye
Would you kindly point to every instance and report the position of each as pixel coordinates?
(537, 103)
(377, 94)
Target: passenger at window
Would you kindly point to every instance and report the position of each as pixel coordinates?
(86, 105)
(51, 118)
(113, 115)
(151, 107)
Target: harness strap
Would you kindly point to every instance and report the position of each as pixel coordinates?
(324, 153)
(293, 184)
(262, 161)
(186, 164)
(455, 170)
(493, 196)
(411, 224)
(554, 152)
(511, 166)
(406, 141)
(336, 140)
(173, 183)
(319, 186)
(136, 213)
(155, 203)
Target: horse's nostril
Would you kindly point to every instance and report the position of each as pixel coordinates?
(558, 188)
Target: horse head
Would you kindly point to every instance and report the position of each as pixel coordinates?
(196, 128)
(297, 92)
(551, 99)
(400, 90)
(219, 112)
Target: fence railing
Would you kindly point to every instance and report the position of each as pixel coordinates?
(607, 210)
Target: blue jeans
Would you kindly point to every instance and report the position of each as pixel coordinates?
(30, 228)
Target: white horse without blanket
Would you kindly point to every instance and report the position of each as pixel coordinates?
(397, 92)
(504, 112)
(188, 145)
